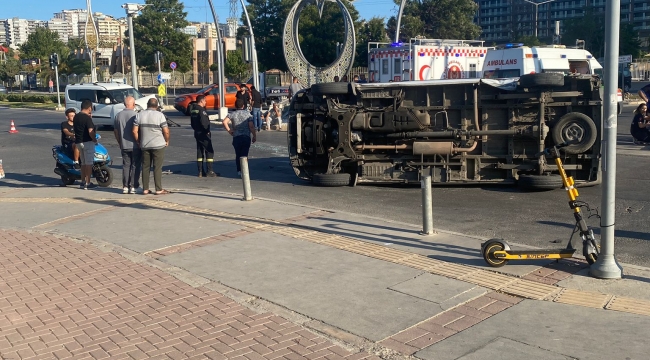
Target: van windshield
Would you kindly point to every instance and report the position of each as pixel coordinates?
(120, 94)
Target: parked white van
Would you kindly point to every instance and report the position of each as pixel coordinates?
(107, 98)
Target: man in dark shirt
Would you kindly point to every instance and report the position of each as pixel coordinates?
(201, 125)
(256, 100)
(84, 134)
(67, 136)
(244, 95)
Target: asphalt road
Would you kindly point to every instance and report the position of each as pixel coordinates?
(540, 219)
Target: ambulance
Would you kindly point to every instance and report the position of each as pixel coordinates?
(425, 59)
(517, 60)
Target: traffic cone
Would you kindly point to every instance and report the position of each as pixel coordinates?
(13, 128)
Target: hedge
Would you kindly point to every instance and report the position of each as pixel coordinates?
(42, 99)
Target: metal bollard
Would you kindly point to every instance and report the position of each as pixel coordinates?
(427, 206)
(245, 177)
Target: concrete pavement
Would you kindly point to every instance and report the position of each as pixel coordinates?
(200, 274)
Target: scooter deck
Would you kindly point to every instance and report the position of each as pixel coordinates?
(534, 254)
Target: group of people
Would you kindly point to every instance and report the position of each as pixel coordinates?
(144, 136)
(345, 78)
(142, 139)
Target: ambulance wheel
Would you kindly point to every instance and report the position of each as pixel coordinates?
(488, 253)
(541, 79)
(334, 88)
(591, 258)
(576, 128)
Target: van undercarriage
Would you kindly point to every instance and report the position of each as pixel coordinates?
(458, 131)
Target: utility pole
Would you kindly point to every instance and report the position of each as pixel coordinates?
(537, 4)
(54, 64)
(223, 110)
(606, 266)
(132, 11)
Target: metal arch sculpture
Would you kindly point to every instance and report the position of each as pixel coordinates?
(307, 73)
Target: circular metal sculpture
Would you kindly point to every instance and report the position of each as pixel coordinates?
(307, 73)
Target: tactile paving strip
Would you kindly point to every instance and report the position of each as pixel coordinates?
(629, 305)
(530, 289)
(504, 283)
(582, 298)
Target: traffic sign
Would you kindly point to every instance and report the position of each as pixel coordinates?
(172, 65)
(160, 78)
(625, 59)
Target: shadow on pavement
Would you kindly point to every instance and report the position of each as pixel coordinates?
(261, 169)
(617, 232)
(29, 180)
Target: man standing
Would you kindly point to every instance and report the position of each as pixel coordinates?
(294, 88)
(85, 139)
(51, 84)
(153, 139)
(239, 125)
(256, 99)
(244, 95)
(201, 124)
(131, 153)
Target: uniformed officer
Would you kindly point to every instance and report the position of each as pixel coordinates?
(201, 125)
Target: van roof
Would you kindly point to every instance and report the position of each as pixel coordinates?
(103, 85)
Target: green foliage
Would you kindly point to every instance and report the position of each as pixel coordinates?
(10, 69)
(214, 67)
(76, 44)
(235, 67)
(155, 30)
(373, 30)
(591, 29)
(267, 18)
(77, 66)
(41, 99)
(318, 36)
(439, 19)
(41, 44)
(529, 41)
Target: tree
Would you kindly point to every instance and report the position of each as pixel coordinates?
(373, 30)
(9, 69)
(529, 41)
(439, 19)
(42, 43)
(318, 36)
(235, 67)
(268, 18)
(156, 30)
(591, 28)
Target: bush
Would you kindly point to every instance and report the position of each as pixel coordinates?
(42, 99)
(3, 97)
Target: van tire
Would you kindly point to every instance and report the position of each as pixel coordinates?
(334, 88)
(539, 182)
(541, 79)
(572, 125)
(331, 180)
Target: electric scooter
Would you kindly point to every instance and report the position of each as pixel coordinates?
(69, 173)
(497, 252)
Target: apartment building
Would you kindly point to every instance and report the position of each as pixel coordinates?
(505, 20)
(14, 31)
(74, 18)
(62, 28)
(110, 30)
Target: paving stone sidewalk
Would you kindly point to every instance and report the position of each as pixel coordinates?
(64, 299)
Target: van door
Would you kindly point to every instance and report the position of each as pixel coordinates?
(101, 110)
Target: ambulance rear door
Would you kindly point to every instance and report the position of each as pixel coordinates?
(505, 63)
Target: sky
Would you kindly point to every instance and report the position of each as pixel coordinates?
(197, 10)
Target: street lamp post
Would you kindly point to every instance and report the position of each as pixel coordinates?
(132, 11)
(537, 4)
(223, 110)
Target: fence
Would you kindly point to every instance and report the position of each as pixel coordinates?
(640, 70)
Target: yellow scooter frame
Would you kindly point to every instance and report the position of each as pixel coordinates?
(497, 252)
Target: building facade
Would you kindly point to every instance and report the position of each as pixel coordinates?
(503, 21)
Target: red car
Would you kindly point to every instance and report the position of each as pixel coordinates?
(182, 102)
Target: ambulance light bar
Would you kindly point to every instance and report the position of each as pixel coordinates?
(396, 44)
(509, 46)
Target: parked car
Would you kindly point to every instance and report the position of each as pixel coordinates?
(183, 102)
(3, 89)
(107, 98)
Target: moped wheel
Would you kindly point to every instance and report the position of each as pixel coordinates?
(488, 254)
(591, 258)
(104, 176)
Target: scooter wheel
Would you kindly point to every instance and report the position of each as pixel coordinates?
(591, 258)
(488, 254)
(67, 180)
